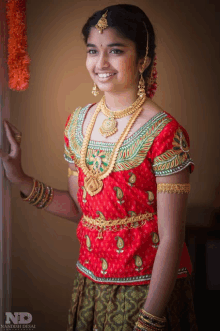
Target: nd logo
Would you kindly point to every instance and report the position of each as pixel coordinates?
(18, 318)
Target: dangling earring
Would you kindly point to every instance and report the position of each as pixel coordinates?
(95, 90)
(141, 87)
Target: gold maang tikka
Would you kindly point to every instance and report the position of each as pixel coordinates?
(102, 23)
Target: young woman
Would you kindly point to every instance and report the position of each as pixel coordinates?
(129, 170)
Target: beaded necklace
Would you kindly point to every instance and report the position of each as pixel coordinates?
(93, 181)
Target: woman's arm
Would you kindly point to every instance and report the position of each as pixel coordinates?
(73, 189)
(171, 211)
(64, 203)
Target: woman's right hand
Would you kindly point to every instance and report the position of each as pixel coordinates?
(12, 161)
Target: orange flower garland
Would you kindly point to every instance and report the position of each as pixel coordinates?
(18, 58)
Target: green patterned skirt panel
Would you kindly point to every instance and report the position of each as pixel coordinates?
(98, 307)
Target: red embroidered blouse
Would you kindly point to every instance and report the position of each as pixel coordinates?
(122, 249)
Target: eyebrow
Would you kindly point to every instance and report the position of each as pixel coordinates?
(110, 45)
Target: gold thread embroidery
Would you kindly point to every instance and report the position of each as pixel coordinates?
(132, 179)
(120, 244)
(88, 243)
(84, 194)
(179, 143)
(70, 135)
(128, 157)
(104, 266)
(150, 197)
(93, 181)
(101, 215)
(138, 262)
(173, 188)
(155, 239)
(175, 158)
(101, 224)
(131, 213)
(119, 194)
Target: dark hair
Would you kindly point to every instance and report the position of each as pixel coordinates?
(128, 22)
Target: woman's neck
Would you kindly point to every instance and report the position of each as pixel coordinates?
(121, 100)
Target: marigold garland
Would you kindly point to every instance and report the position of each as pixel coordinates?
(18, 58)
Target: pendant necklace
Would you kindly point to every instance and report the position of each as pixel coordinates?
(93, 179)
(109, 125)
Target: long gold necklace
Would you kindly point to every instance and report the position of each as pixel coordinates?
(109, 125)
(93, 180)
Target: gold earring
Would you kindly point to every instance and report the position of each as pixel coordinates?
(141, 87)
(95, 90)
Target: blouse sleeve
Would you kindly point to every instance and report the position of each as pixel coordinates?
(68, 155)
(170, 152)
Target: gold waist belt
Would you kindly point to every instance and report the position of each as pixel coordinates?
(118, 224)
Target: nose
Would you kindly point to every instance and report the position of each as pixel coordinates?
(102, 61)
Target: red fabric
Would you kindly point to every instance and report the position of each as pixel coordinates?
(137, 241)
(163, 141)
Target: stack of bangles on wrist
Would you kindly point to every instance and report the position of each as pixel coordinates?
(150, 322)
(40, 196)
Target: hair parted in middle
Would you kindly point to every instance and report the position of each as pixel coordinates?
(128, 22)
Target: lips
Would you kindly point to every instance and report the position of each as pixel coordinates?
(109, 74)
(99, 73)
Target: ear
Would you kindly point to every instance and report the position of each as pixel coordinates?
(141, 62)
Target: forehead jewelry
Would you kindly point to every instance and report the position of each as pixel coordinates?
(102, 23)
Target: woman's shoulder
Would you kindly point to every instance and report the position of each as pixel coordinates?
(151, 109)
(77, 111)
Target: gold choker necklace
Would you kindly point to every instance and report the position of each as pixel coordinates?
(93, 179)
(109, 125)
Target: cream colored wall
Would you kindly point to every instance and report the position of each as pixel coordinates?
(45, 247)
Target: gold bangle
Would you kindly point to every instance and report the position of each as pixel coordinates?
(160, 320)
(33, 191)
(173, 188)
(40, 196)
(72, 172)
(44, 199)
(31, 201)
(50, 199)
(146, 327)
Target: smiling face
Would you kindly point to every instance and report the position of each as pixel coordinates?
(109, 53)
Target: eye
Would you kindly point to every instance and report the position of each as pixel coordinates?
(117, 50)
(91, 50)
(114, 51)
